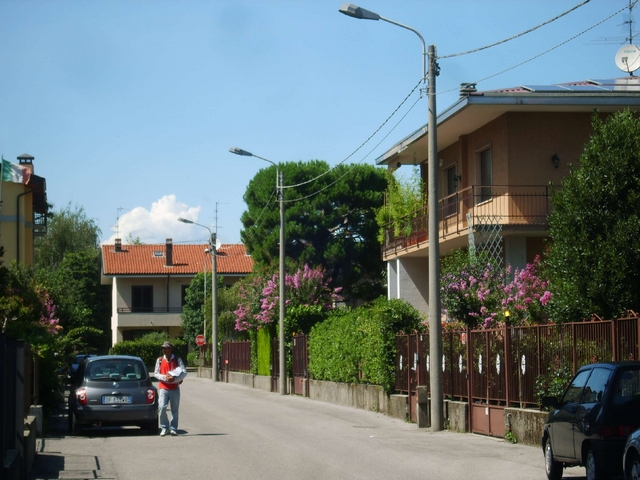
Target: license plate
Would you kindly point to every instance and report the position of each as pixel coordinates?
(112, 399)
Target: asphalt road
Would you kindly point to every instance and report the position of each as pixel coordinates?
(233, 432)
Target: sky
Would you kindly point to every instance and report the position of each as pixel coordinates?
(130, 107)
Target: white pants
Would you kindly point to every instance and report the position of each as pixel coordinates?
(169, 398)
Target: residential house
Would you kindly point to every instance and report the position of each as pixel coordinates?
(498, 152)
(23, 210)
(149, 282)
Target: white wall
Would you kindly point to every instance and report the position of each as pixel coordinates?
(408, 280)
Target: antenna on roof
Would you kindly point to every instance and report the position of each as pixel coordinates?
(628, 57)
(118, 221)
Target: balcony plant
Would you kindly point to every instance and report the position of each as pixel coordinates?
(405, 200)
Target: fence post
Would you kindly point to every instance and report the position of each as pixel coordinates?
(467, 332)
(507, 364)
(422, 415)
(615, 341)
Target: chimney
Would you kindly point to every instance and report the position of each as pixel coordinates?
(466, 89)
(118, 246)
(26, 160)
(169, 253)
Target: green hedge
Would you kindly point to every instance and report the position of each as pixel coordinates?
(358, 346)
(263, 341)
(149, 351)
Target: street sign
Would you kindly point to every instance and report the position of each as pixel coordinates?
(200, 340)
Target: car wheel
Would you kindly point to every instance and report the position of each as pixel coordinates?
(632, 468)
(592, 468)
(551, 466)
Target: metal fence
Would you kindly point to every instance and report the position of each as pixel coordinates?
(19, 371)
(236, 356)
(512, 366)
(507, 366)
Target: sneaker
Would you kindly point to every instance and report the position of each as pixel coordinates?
(163, 432)
(174, 433)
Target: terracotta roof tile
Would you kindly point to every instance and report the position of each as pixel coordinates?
(187, 259)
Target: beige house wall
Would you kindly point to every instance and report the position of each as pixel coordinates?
(163, 287)
(17, 210)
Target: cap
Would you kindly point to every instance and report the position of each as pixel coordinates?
(167, 345)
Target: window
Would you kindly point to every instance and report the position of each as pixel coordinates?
(184, 294)
(574, 391)
(486, 178)
(142, 298)
(594, 391)
(451, 206)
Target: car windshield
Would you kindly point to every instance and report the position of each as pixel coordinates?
(122, 370)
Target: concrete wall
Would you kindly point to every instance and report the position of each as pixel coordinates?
(525, 424)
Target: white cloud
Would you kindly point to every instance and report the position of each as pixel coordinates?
(159, 223)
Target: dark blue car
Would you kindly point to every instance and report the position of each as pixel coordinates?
(590, 424)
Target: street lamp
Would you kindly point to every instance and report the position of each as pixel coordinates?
(204, 269)
(214, 297)
(282, 384)
(435, 328)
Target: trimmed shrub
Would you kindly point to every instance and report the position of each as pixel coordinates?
(358, 346)
(263, 341)
(149, 351)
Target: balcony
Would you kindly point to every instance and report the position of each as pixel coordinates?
(150, 310)
(519, 208)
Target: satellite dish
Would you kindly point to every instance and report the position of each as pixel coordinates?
(218, 243)
(628, 58)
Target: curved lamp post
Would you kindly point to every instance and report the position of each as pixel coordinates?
(282, 383)
(435, 327)
(214, 297)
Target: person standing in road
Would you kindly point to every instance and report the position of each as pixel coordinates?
(170, 372)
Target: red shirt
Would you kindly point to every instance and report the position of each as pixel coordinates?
(165, 367)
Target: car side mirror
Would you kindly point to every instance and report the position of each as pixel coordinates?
(552, 402)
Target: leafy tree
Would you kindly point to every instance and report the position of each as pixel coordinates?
(403, 199)
(330, 223)
(68, 265)
(82, 302)
(593, 263)
(130, 240)
(195, 310)
(26, 310)
(68, 231)
(228, 300)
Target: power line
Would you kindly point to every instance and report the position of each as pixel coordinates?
(518, 35)
(354, 165)
(545, 52)
(363, 143)
(442, 92)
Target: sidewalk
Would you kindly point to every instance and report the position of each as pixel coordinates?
(59, 458)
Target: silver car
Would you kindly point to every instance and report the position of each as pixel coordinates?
(112, 390)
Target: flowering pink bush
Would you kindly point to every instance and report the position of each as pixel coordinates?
(479, 295)
(48, 318)
(473, 294)
(249, 308)
(527, 295)
(261, 299)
